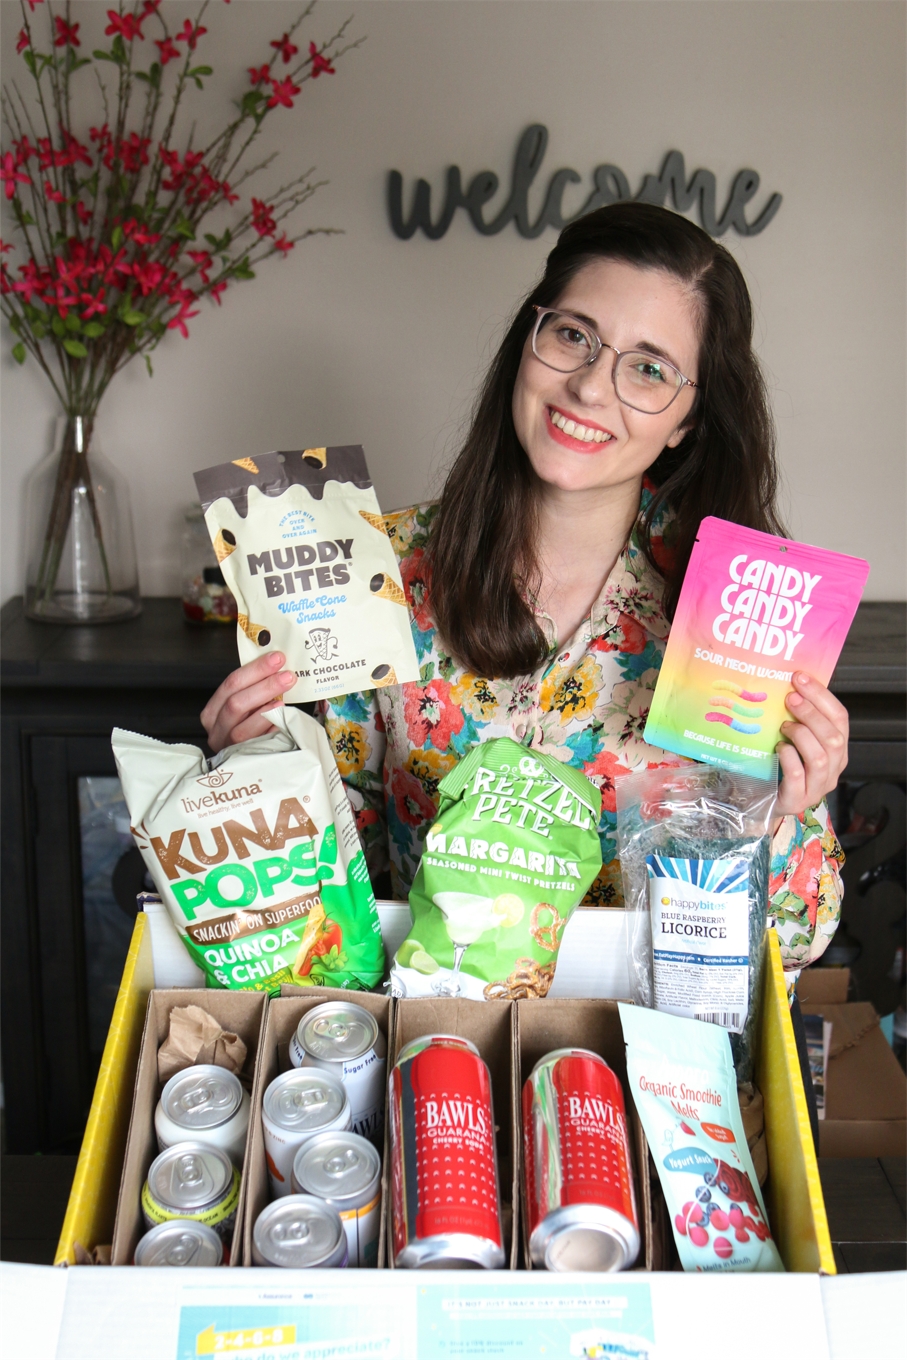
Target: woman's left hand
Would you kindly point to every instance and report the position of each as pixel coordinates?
(815, 752)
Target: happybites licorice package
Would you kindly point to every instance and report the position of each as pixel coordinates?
(256, 856)
(302, 545)
(512, 852)
(753, 609)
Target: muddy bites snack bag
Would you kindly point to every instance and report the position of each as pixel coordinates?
(302, 545)
(753, 609)
(513, 850)
(256, 855)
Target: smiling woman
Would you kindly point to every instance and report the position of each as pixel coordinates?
(625, 403)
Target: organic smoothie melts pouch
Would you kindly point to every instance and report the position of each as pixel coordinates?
(256, 856)
(303, 546)
(513, 850)
(694, 849)
(753, 609)
(681, 1076)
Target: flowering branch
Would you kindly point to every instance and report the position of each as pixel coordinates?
(112, 223)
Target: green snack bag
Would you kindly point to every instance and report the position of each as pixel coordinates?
(513, 850)
(256, 856)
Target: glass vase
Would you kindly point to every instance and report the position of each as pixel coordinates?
(81, 563)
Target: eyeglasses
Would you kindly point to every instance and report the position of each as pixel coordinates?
(641, 380)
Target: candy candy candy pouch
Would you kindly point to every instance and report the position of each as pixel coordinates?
(681, 1076)
(694, 849)
(303, 547)
(753, 609)
(256, 856)
(512, 852)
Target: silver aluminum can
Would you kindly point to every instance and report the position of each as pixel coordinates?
(344, 1038)
(180, 1242)
(190, 1180)
(299, 1232)
(297, 1105)
(205, 1104)
(344, 1170)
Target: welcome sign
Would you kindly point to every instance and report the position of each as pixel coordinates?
(609, 185)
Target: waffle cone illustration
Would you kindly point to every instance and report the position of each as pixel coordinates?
(224, 544)
(386, 589)
(318, 457)
(384, 675)
(248, 463)
(376, 521)
(253, 630)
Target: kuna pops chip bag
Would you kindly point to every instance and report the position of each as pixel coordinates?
(256, 856)
(303, 546)
(513, 850)
(753, 609)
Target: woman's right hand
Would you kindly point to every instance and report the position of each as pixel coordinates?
(238, 709)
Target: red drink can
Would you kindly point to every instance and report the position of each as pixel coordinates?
(444, 1173)
(580, 1205)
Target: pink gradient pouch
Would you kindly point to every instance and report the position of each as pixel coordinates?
(753, 609)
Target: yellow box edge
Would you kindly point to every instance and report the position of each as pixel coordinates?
(108, 1119)
(803, 1237)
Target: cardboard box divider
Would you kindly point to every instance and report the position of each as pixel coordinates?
(239, 1012)
(283, 1016)
(540, 1027)
(488, 1024)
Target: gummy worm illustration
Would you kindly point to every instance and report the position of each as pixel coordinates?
(741, 693)
(717, 702)
(749, 728)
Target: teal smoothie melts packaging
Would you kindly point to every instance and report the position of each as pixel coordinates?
(681, 1076)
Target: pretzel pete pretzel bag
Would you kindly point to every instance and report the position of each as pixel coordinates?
(256, 856)
(513, 850)
(302, 545)
(753, 609)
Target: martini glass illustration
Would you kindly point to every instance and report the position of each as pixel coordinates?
(466, 917)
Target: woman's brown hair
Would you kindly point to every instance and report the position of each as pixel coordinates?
(481, 552)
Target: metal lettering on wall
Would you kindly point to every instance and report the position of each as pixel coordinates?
(610, 186)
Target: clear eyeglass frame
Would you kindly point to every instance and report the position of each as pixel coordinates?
(620, 359)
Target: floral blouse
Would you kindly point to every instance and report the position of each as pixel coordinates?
(587, 705)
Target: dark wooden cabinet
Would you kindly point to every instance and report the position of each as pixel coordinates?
(63, 691)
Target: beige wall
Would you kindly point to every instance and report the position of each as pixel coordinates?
(365, 338)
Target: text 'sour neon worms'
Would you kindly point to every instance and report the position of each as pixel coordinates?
(749, 728)
(743, 693)
(718, 702)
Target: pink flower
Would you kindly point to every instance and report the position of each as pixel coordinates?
(94, 304)
(22, 41)
(283, 245)
(285, 48)
(319, 63)
(178, 323)
(126, 25)
(83, 213)
(67, 34)
(202, 261)
(262, 219)
(260, 75)
(217, 289)
(190, 35)
(282, 92)
(167, 49)
(11, 175)
(53, 194)
(32, 3)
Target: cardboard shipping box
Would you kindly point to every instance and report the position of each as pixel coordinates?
(865, 1087)
(241, 1013)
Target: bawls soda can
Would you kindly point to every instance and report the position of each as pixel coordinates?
(444, 1175)
(580, 1205)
